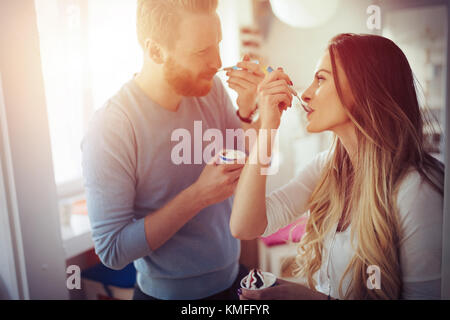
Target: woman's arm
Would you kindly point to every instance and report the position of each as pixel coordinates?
(248, 218)
(420, 213)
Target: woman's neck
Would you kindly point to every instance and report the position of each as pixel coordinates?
(347, 136)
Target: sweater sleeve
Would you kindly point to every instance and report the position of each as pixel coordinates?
(421, 219)
(288, 203)
(109, 162)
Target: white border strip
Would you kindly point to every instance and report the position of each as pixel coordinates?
(18, 266)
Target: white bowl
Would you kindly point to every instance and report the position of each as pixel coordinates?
(231, 156)
(269, 280)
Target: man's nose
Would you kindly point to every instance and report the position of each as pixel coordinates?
(216, 61)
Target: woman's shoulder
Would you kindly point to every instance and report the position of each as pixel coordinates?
(311, 171)
(319, 161)
(418, 200)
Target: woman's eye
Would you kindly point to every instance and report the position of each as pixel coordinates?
(320, 79)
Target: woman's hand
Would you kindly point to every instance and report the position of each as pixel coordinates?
(245, 82)
(274, 96)
(283, 290)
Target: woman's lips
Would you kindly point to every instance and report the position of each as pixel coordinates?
(307, 108)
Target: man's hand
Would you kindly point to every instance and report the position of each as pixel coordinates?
(245, 82)
(217, 182)
(283, 290)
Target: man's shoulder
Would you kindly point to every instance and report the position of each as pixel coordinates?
(110, 113)
(116, 108)
(122, 99)
(110, 119)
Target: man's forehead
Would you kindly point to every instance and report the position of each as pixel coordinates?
(199, 31)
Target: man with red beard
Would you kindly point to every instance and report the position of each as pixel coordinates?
(171, 220)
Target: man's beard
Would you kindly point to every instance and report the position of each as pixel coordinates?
(184, 82)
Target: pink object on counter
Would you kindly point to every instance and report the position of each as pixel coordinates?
(283, 235)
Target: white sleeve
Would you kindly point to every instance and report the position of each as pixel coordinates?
(421, 218)
(422, 290)
(286, 204)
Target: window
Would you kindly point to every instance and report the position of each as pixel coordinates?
(424, 43)
(89, 49)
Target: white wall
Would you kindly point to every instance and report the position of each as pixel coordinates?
(298, 50)
(30, 153)
(446, 228)
(12, 271)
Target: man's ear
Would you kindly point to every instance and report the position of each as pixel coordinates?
(154, 51)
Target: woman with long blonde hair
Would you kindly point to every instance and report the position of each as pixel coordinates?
(374, 201)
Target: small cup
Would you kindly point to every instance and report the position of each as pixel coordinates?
(269, 280)
(229, 156)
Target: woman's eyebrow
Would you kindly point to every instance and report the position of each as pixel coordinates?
(322, 70)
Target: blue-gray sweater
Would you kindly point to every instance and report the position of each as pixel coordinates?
(129, 173)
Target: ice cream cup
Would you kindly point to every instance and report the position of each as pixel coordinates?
(228, 156)
(269, 280)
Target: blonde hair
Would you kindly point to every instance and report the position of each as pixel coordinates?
(159, 19)
(389, 126)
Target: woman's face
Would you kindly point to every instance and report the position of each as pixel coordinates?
(328, 113)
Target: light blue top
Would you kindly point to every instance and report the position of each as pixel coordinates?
(128, 174)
